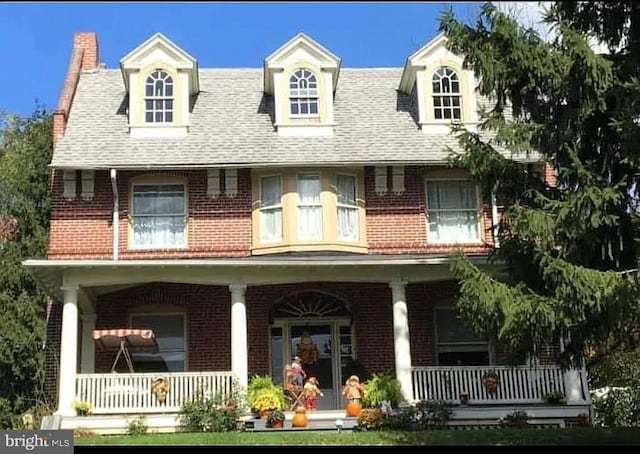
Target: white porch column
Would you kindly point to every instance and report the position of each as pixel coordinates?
(239, 348)
(573, 386)
(572, 381)
(68, 352)
(401, 339)
(87, 360)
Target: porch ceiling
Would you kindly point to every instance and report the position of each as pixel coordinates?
(98, 276)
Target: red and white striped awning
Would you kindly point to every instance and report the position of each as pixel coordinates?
(133, 337)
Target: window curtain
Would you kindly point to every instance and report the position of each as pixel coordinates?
(453, 211)
(347, 208)
(309, 208)
(159, 216)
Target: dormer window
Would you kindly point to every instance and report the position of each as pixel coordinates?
(447, 96)
(158, 101)
(303, 93)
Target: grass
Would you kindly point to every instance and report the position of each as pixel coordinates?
(570, 436)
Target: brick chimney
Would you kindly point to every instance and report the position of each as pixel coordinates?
(84, 55)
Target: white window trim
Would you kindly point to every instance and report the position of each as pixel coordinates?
(316, 97)
(153, 98)
(475, 346)
(459, 94)
(479, 212)
(278, 206)
(160, 310)
(353, 207)
(132, 215)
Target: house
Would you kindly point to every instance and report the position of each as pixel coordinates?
(240, 213)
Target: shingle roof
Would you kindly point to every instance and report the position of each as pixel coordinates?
(231, 125)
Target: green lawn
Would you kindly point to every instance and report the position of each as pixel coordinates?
(572, 436)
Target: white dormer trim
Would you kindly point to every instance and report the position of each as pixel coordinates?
(159, 53)
(278, 60)
(302, 52)
(417, 75)
(159, 47)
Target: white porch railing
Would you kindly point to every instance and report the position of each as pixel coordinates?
(517, 384)
(131, 393)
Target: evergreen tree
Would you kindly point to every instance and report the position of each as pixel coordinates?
(569, 247)
(25, 152)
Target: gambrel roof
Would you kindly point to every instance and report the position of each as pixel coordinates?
(231, 124)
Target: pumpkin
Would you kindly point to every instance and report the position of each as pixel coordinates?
(299, 417)
(354, 407)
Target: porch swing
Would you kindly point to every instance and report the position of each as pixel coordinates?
(126, 340)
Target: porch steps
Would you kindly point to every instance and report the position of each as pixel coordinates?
(319, 420)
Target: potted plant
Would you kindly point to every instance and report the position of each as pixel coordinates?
(263, 394)
(265, 401)
(276, 418)
(554, 397)
(82, 407)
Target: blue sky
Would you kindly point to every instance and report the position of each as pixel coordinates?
(36, 38)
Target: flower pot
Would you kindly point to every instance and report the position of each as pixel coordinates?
(276, 424)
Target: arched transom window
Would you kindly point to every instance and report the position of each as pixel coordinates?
(158, 101)
(303, 93)
(447, 103)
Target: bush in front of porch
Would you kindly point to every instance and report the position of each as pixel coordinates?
(209, 412)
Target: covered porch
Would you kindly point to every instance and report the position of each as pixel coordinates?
(391, 330)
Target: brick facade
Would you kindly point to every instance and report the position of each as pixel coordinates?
(221, 227)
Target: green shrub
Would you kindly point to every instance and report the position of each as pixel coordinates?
(137, 426)
(371, 419)
(518, 418)
(212, 412)
(381, 387)
(618, 408)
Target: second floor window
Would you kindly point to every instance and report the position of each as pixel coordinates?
(270, 208)
(446, 95)
(158, 216)
(158, 99)
(309, 208)
(347, 208)
(303, 93)
(453, 211)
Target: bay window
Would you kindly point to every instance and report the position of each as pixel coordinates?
(309, 208)
(270, 208)
(347, 207)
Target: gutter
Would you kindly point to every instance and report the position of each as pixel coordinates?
(116, 213)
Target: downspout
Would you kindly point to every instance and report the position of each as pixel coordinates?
(494, 216)
(116, 214)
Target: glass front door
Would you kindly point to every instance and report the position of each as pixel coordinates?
(313, 345)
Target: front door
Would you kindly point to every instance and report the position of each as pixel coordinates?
(313, 344)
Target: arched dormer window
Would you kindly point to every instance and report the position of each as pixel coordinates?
(447, 96)
(303, 93)
(158, 101)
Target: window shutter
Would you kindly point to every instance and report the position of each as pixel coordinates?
(213, 183)
(397, 179)
(231, 182)
(69, 180)
(381, 180)
(87, 185)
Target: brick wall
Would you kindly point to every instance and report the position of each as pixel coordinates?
(208, 312)
(221, 227)
(215, 227)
